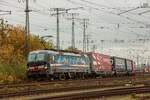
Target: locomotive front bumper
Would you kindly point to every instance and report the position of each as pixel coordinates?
(36, 72)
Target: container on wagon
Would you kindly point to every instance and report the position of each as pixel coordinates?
(119, 65)
(100, 63)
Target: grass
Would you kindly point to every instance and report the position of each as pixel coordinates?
(12, 73)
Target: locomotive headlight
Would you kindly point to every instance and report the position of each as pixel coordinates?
(29, 68)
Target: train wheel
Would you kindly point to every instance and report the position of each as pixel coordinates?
(51, 78)
(71, 76)
(62, 76)
(68, 75)
(94, 76)
(86, 76)
(75, 76)
(83, 76)
(80, 76)
(30, 78)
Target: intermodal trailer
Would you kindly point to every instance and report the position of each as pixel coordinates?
(119, 65)
(100, 64)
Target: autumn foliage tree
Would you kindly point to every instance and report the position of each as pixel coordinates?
(12, 44)
(13, 51)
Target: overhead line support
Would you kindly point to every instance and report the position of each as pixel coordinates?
(58, 12)
(73, 32)
(27, 27)
(85, 22)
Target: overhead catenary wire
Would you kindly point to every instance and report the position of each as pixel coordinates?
(97, 8)
(40, 13)
(8, 4)
(119, 15)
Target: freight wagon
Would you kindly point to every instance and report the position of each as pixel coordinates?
(130, 67)
(119, 65)
(123, 66)
(100, 64)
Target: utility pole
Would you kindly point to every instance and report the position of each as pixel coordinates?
(73, 15)
(27, 27)
(87, 43)
(73, 35)
(85, 22)
(94, 47)
(58, 40)
(58, 12)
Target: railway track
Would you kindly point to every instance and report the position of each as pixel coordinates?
(81, 94)
(98, 93)
(35, 83)
(78, 85)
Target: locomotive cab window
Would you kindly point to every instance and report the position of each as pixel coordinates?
(40, 57)
(32, 57)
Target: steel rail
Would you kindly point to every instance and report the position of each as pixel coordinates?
(98, 94)
(34, 83)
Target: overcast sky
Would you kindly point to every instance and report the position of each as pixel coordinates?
(105, 23)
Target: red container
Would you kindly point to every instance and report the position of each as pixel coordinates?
(100, 62)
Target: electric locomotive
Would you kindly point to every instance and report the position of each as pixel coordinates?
(54, 64)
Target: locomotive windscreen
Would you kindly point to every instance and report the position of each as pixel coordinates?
(34, 57)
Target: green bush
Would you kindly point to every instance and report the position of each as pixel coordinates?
(12, 73)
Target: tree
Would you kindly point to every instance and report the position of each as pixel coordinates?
(12, 44)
